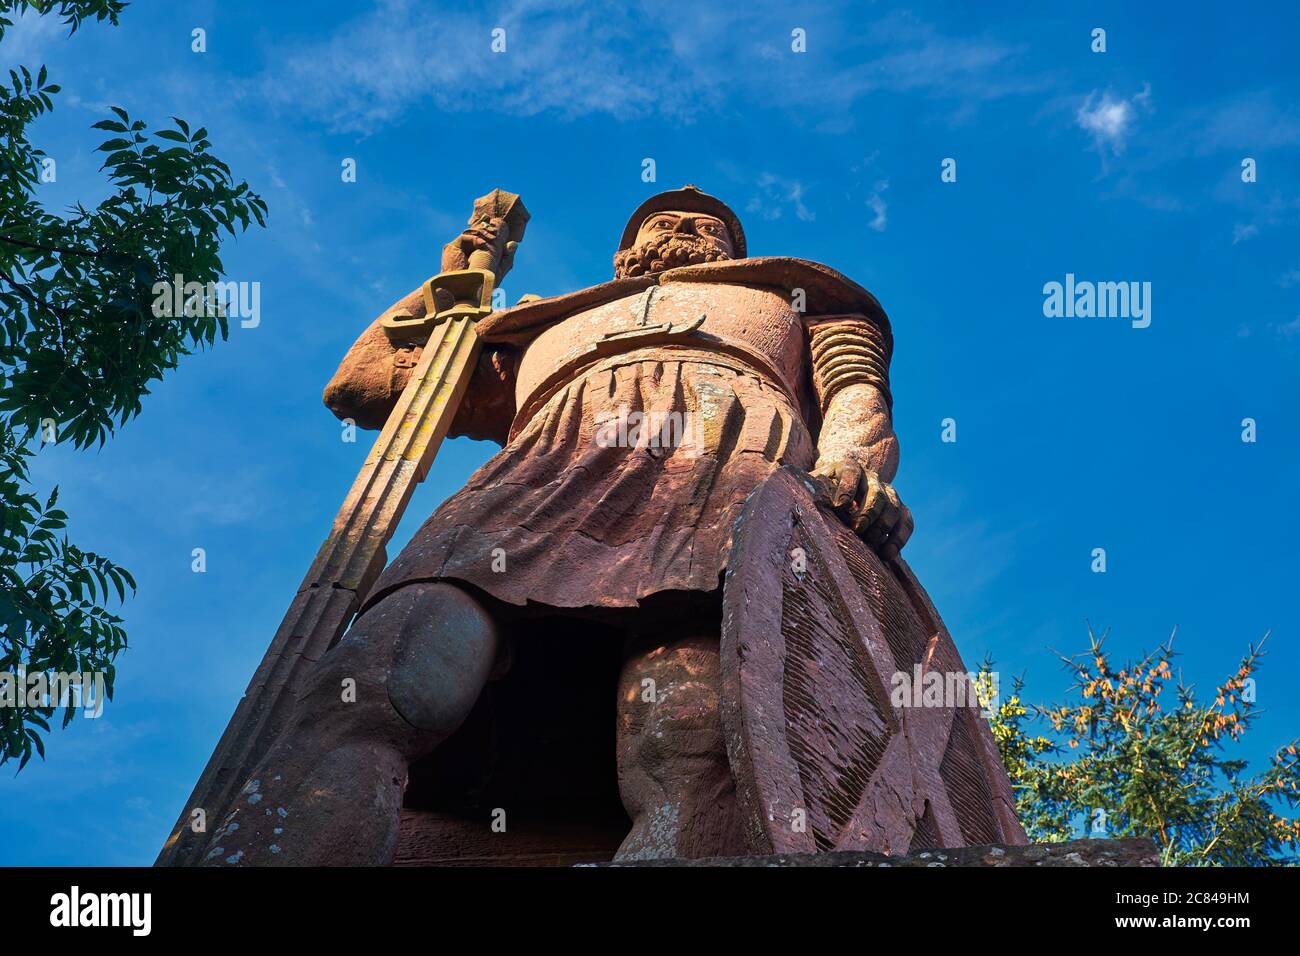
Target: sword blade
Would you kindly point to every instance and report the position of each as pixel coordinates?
(346, 566)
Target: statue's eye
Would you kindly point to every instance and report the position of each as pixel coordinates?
(662, 224)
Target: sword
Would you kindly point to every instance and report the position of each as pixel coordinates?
(352, 556)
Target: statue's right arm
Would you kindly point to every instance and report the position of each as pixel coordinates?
(376, 369)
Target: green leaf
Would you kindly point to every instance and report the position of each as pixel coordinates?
(79, 344)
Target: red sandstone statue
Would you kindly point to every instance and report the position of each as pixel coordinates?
(680, 575)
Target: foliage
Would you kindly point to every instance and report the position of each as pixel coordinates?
(80, 344)
(73, 12)
(1135, 753)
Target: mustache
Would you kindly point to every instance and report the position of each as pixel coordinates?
(666, 252)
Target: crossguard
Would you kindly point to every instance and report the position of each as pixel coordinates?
(465, 293)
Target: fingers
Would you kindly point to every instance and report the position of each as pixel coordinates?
(878, 531)
(848, 489)
(844, 486)
(874, 504)
(902, 531)
(869, 506)
(884, 523)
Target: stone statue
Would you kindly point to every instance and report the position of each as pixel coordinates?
(690, 525)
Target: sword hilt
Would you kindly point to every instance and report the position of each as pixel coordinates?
(472, 266)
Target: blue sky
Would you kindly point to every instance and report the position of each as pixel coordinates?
(1072, 434)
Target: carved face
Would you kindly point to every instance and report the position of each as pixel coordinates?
(670, 239)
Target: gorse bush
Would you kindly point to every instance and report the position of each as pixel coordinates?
(1135, 752)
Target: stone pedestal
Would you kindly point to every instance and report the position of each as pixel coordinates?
(1133, 851)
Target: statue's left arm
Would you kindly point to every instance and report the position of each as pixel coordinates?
(857, 450)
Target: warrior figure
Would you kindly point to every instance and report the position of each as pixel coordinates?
(639, 419)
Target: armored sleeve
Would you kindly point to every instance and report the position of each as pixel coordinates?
(848, 350)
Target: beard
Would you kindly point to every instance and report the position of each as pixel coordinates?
(665, 252)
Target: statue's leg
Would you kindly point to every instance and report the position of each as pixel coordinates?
(673, 773)
(402, 680)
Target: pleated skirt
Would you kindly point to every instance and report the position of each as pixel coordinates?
(625, 484)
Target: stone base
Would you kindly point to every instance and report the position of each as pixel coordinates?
(1132, 851)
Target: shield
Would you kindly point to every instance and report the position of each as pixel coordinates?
(831, 658)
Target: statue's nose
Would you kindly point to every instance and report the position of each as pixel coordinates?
(685, 224)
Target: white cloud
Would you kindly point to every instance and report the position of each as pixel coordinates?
(377, 67)
(615, 59)
(1240, 232)
(26, 42)
(777, 194)
(875, 200)
(1290, 330)
(900, 54)
(876, 203)
(1109, 120)
(1246, 124)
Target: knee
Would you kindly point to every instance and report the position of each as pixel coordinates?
(446, 646)
(415, 661)
(670, 704)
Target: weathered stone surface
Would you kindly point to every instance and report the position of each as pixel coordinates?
(810, 650)
(638, 418)
(1135, 851)
(442, 839)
